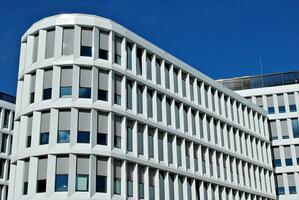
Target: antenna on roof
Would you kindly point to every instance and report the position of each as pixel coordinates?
(261, 69)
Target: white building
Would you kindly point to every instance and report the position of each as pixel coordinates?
(278, 94)
(102, 113)
(6, 125)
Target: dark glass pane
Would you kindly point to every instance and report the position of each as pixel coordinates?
(66, 91)
(28, 141)
(32, 97)
(41, 186)
(47, 93)
(282, 109)
(61, 183)
(102, 139)
(271, 110)
(289, 162)
(84, 92)
(102, 95)
(293, 108)
(63, 137)
(82, 183)
(101, 184)
(83, 137)
(44, 138)
(86, 51)
(25, 189)
(103, 54)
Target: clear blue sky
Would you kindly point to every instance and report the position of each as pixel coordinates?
(220, 38)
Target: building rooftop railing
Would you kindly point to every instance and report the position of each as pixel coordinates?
(7, 97)
(259, 81)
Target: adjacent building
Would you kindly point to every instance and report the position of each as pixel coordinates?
(7, 106)
(102, 113)
(278, 94)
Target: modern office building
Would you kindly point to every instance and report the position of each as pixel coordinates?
(278, 94)
(102, 113)
(7, 106)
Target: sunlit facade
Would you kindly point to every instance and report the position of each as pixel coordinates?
(102, 113)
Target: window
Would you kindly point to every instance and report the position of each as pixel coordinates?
(284, 129)
(66, 82)
(297, 153)
(167, 68)
(177, 115)
(117, 89)
(117, 176)
(32, 88)
(292, 103)
(149, 66)
(117, 50)
(6, 118)
(259, 101)
(151, 133)
(103, 46)
(29, 130)
(288, 156)
(191, 80)
(141, 181)
(175, 80)
(64, 126)
(184, 76)
(291, 183)
(129, 94)
(130, 125)
(270, 104)
(4, 143)
(281, 105)
(139, 61)
(102, 128)
(42, 174)
(179, 151)
(117, 131)
(35, 48)
(61, 179)
(140, 99)
(295, 127)
(150, 103)
(168, 111)
(68, 41)
(86, 42)
(2, 166)
(169, 147)
(161, 185)
(185, 118)
(187, 151)
(85, 83)
(140, 139)
(82, 173)
(25, 176)
(273, 130)
(103, 85)
(129, 49)
(83, 127)
(277, 159)
(160, 146)
(151, 184)
(130, 172)
(50, 43)
(159, 107)
(279, 185)
(101, 179)
(47, 87)
(158, 71)
(45, 128)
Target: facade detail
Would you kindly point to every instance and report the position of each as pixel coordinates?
(279, 95)
(6, 126)
(101, 113)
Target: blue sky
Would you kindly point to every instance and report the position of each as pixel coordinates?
(220, 38)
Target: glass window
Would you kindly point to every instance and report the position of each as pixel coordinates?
(160, 146)
(149, 66)
(140, 99)
(35, 48)
(85, 83)
(129, 50)
(140, 139)
(50, 43)
(117, 131)
(103, 85)
(82, 173)
(130, 172)
(177, 115)
(279, 185)
(150, 103)
(292, 103)
(175, 79)
(117, 176)
(66, 82)
(117, 50)
(184, 76)
(101, 179)
(270, 104)
(151, 133)
(32, 88)
(47, 87)
(44, 138)
(168, 111)
(45, 128)
(117, 89)
(167, 68)
(141, 181)
(4, 143)
(6, 118)
(83, 135)
(103, 46)
(139, 61)
(169, 147)
(42, 174)
(158, 71)
(179, 152)
(130, 125)
(102, 128)
(295, 127)
(129, 94)
(86, 42)
(61, 179)
(68, 41)
(159, 107)
(64, 124)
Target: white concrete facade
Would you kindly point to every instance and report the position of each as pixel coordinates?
(285, 142)
(6, 127)
(102, 113)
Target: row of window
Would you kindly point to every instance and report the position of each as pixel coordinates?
(288, 156)
(277, 103)
(290, 183)
(164, 73)
(279, 129)
(157, 179)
